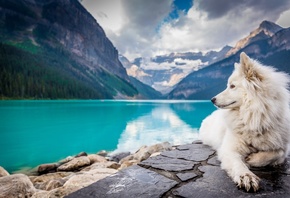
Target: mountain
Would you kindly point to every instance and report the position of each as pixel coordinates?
(145, 91)
(266, 30)
(56, 49)
(207, 82)
(164, 72)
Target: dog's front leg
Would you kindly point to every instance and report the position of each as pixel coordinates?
(233, 163)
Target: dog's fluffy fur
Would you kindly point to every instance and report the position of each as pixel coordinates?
(251, 128)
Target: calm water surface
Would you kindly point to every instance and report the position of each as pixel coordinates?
(36, 132)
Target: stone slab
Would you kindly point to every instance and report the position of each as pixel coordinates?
(172, 174)
(132, 182)
(190, 152)
(168, 164)
(214, 161)
(215, 182)
(186, 176)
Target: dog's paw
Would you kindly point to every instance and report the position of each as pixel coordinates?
(248, 181)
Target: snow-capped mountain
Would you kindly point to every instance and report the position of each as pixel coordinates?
(164, 72)
(263, 44)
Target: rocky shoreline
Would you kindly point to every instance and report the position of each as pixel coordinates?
(72, 173)
(161, 170)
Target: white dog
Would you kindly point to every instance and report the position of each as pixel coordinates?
(252, 126)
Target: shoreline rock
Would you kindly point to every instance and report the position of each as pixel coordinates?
(190, 170)
(59, 179)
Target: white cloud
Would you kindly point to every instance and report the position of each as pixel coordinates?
(160, 125)
(283, 20)
(186, 66)
(138, 28)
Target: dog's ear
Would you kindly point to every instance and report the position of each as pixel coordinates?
(248, 68)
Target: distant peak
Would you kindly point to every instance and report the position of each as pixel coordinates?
(227, 47)
(270, 26)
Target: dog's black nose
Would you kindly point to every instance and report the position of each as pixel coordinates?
(213, 100)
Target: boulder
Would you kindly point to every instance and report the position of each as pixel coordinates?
(165, 146)
(103, 153)
(128, 158)
(40, 194)
(50, 181)
(52, 184)
(46, 168)
(81, 154)
(119, 156)
(144, 153)
(3, 172)
(56, 193)
(96, 158)
(49, 176)
(86, 178)
(128, 163)
(75, 164)
(17, 185)
(67, 159)
(155, 154)
(112, 165)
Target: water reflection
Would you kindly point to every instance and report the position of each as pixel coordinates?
(31, 129)
(160, 125)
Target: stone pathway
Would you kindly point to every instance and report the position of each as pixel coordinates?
(188, 171)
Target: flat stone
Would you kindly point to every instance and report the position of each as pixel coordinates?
(137, 181)
(190, 152)
(134, 182)
(168, 164)
(214, 183)
(214, 161)
(186, 176)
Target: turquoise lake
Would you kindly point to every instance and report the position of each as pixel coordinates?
(37, 132)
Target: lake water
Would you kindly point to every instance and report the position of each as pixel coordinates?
(36, 132)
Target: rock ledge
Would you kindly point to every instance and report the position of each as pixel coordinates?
(190, 170)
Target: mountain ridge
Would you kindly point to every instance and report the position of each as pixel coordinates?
(70, 46)
(209, 81)
(265, 30)
(164, 72)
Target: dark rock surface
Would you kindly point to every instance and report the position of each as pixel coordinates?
(117, 157)
(188, 171)
(168, 164)
(134, 182)
(46, 168)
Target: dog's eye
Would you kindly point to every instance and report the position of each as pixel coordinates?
(232, 86)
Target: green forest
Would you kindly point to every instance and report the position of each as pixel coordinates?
(31, 72)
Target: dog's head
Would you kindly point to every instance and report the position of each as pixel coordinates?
(244, 78)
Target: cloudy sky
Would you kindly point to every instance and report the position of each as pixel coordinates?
(154, 27)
